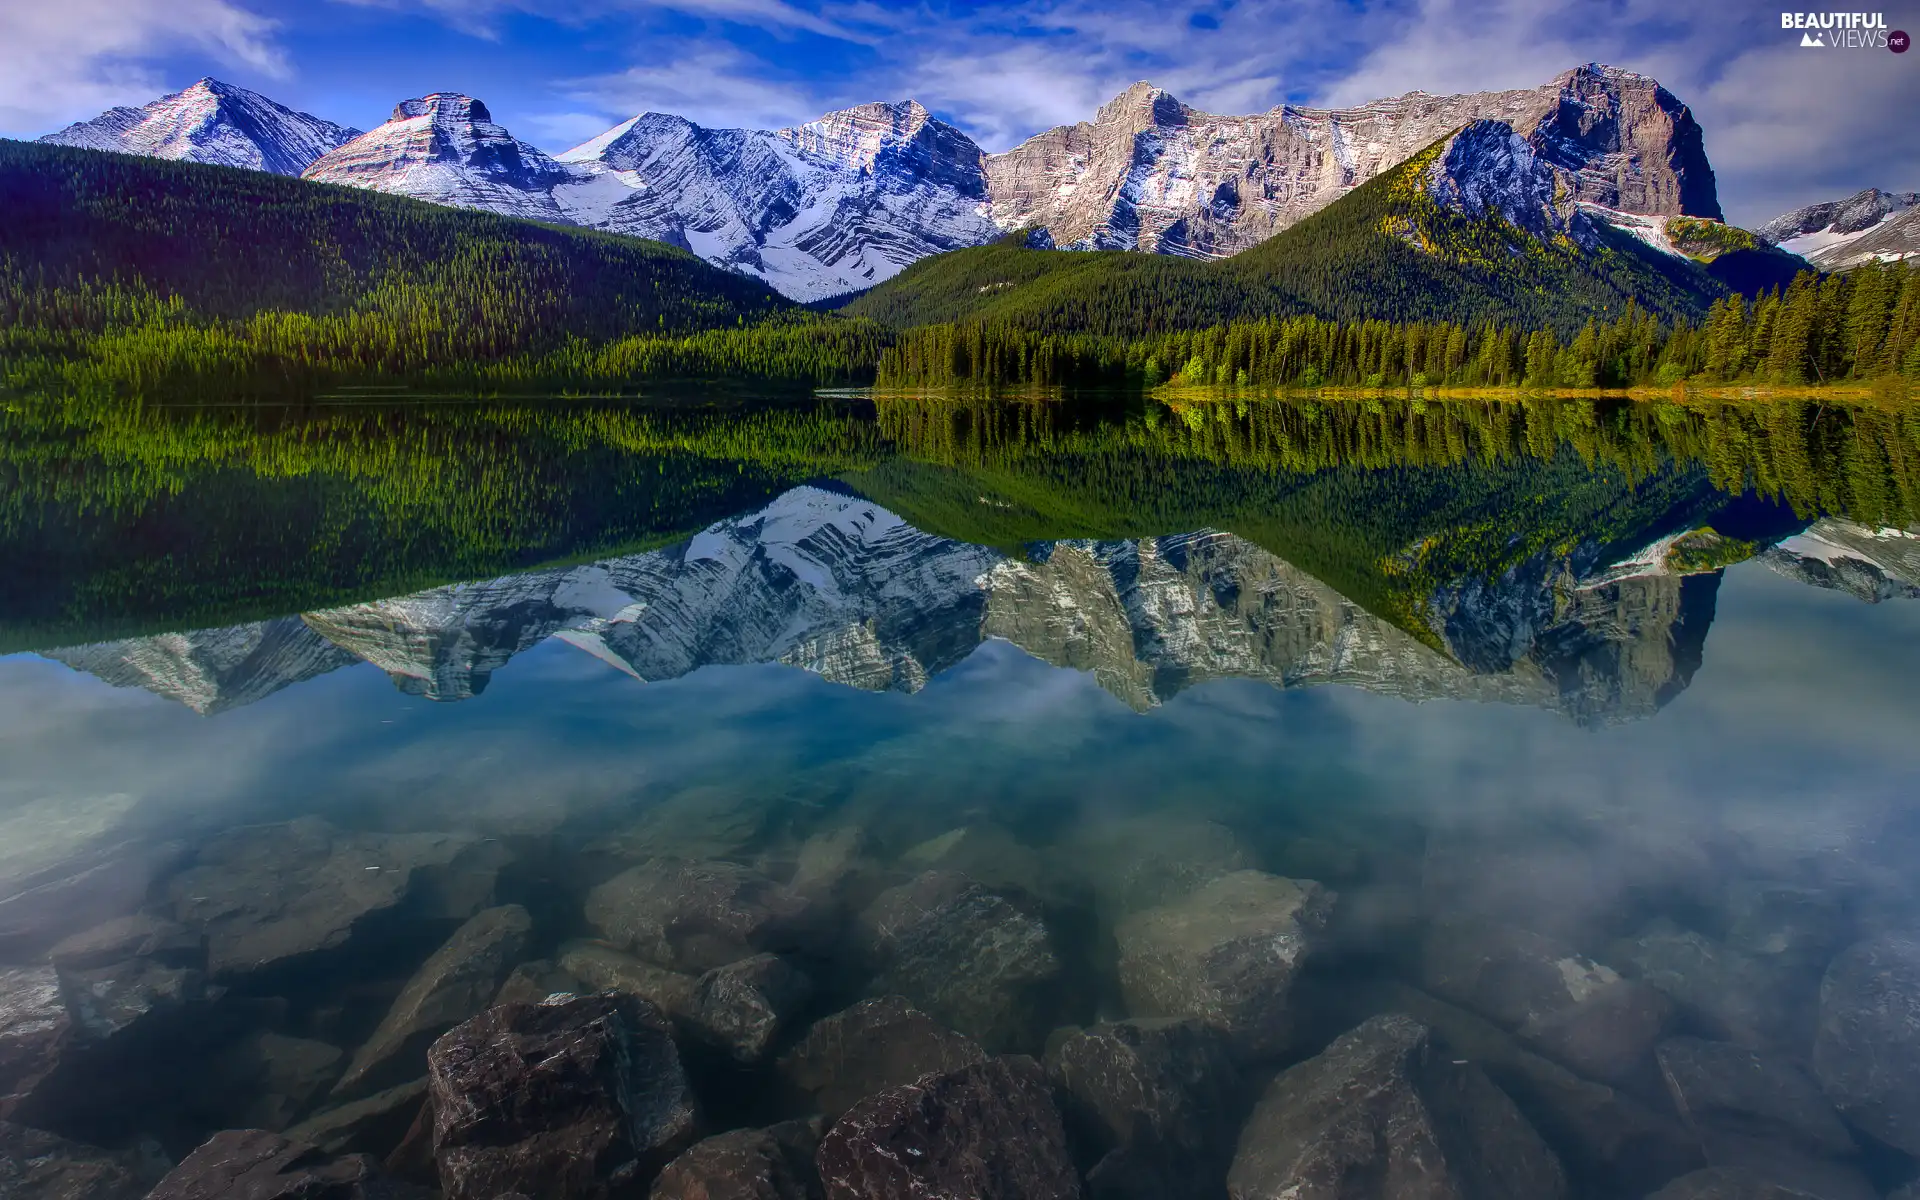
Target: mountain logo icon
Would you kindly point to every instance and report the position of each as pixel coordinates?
(1814, 39)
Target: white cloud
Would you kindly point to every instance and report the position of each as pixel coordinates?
(476, 17)
(66, 60)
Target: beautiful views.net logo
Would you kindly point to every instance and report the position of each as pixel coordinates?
(1843, 30)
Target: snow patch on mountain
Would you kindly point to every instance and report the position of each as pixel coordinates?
(1868, 226)
(212, 122)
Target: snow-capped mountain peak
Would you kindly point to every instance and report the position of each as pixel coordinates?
(445, 147)
(594, 147)
(212, 122)
(834, 205)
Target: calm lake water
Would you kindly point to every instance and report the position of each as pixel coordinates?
(1584, 734)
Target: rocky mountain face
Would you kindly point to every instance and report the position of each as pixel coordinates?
(445, 148)
(1150, 173)
(1845, 233)
(1489, 170)
(838, 586)
(832, 206)
(213, 670)
(1872, 564)
(844, 202)
(212, 122)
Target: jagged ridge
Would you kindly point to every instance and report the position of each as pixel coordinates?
(212, 122)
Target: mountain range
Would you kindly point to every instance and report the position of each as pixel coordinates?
(841, 203)
(837, 585)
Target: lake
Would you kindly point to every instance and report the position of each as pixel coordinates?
(1312, 790)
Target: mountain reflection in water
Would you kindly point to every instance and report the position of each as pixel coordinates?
(1639, 920)
(836, 585)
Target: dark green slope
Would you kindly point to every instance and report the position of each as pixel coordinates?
(1108, 292)
(1353, 260)
(230, 244)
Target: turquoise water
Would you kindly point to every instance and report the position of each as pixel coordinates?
(1627, 719)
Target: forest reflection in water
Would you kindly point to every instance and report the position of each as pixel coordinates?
(1607, 892)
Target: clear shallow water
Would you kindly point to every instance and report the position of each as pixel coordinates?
(1572, 739)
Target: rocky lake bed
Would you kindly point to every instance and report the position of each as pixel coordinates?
(732, 997)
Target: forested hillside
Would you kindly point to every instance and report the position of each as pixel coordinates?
(153, 269)
(1355, 260)
(1863, 325)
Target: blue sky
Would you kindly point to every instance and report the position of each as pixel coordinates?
(1784, 126)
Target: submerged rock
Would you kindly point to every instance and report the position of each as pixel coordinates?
(827, 862)
(1799, 928)
(970, 957)
(1742, 1183)
(1733, 996)
(1378, 1116)
(455, 983)
(1866, 1053)
(706, 822)
(135, 936)
(1601, 1132)
(742, 1007)
(1159, 1100)
(697, 916)
(1572, 1009)
(373, 1125)
(1726, 1089)
(746, 1164)
(988, 1131)
(986, 854)
(279, 1077)
(108, 1001)
(34, 1030)
(36, 1165)
(1142, 862)
(532, 982)
(607, 968)
(60, 879)
(579, 1098)
(739, 1008)
(252, 1164)
(875, 1045)
(1226, 954)
(267, 894)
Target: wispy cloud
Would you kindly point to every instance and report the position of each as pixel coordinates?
(68, 59)
(479, 17)
(715, 84)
